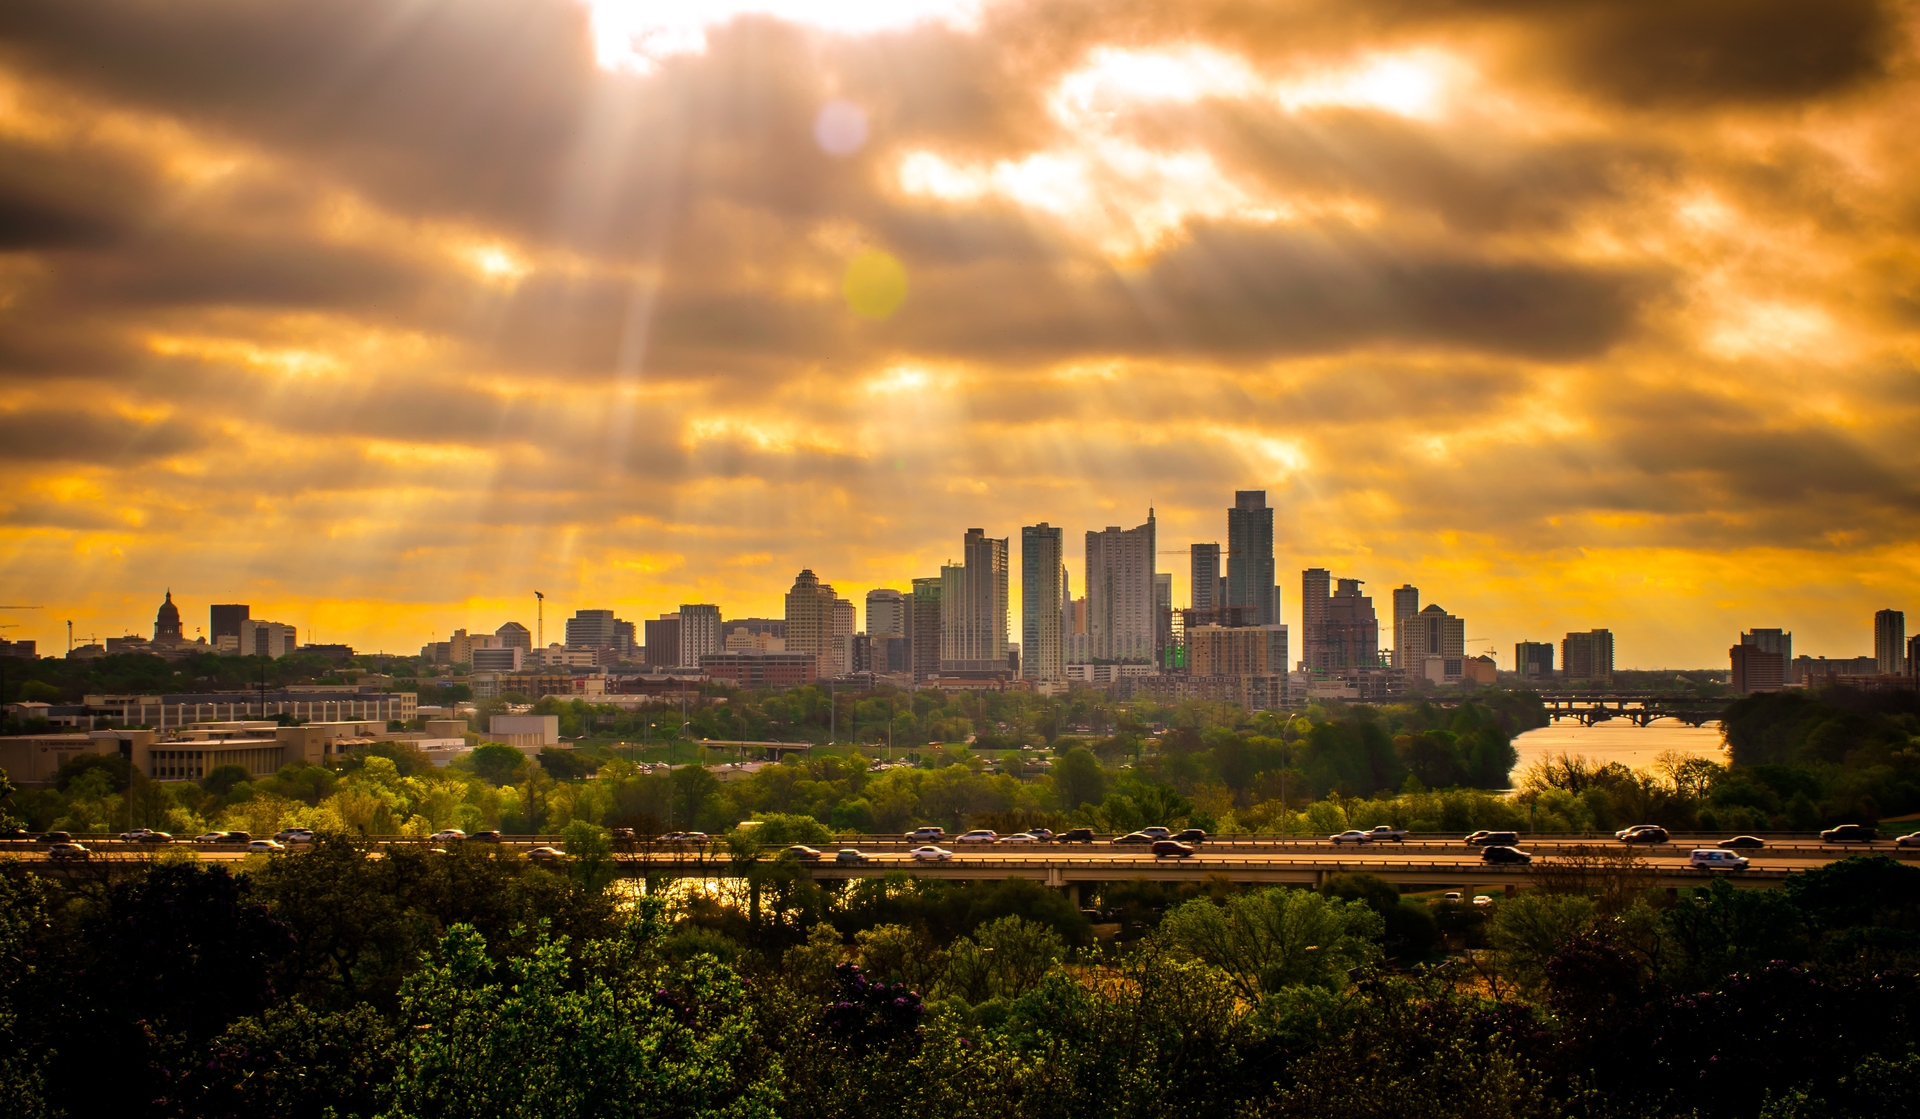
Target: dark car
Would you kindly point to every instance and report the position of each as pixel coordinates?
(803, 853)
(238, 837)
(55, 837)
(1504, 854)
(1642, 833)
(1170, 849)
(1191, 835)
(1493, 839)
(1138, 837)
(1741, 842)
(1848, 833)
(15, 834)
(1075, 835)
(484, 837)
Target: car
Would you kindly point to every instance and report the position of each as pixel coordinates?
(685, 838)
(1485, 838)
(484, 837)
(1910, 840)
(211, 837)
(978, 835)
(1504, 854)
(850, 855)
(1712, 858)
(1170, 849)
(927, 833)
(133, 836)
(55, 837)
(1741, 842)
(1190, 835)
(1157, 832)
(1382, 832)
(294, 835)
(1848, 833)
(1136, 837)
(546, 855)
(1020, 837)
(1642, 833)
(931, 854)
(802, 852)
(146, 835)
(1044, 835)
(15, 834)
(1450, 895)
(448, 835)
(1355, 836)
(65, 851)
(236, 837)
(264, 846)
(1482, 900)
(1075, 835)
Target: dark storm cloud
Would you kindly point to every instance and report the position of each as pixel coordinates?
(74, 434)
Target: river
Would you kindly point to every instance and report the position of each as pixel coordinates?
(1617, 740)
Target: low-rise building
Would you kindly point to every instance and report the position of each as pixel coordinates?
(752, 668)
(324, 703)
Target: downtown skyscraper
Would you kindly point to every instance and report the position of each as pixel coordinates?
(1250, 557)
(1043, 589)
(973, 607)
(1122, 604)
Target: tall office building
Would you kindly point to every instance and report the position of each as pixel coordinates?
(924, 614)
(1890, 642)
(225, 620)
(1205, 559)
(1587, 656)
(1043, 585)
(700, 633)
(513, 635)
(973, 607)
(841, 659)
(1316, 586)
(1773, 642)
(1406, 603)
(1122, 613)
(1351, 637)
(886, 613)
(1250, 556)
(663, 642)
(1533, 660)
(1163, 618)
(809, 616)
(1755, 669)
(1435, 646)
(590, 629)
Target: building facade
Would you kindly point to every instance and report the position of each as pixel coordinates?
(662, 649)
(926, 615)
(1587, 656)
(513, 635)
(1890, 642)
(1043, 615)
(1756, 670)
(1533, 660)
(1122, 599)
(1207, 591)
(1406, 603)
(1316, 588)
(225, 619)
(1250, 571)
(886, 613)
(809, 616)
(700, 633)
(973, 607)
(743, 668)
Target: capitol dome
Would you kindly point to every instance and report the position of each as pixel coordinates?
(166, 624)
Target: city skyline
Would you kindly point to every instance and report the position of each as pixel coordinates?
(380, 330)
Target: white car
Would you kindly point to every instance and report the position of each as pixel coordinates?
(1712, 858)
(931, 854)
(1351, 837)
(1020, 837)
(1909, 840)
(265, 846)
(295, 835)
(978, 835)
(448, 835)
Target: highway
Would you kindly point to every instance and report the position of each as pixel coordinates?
(1421, 863)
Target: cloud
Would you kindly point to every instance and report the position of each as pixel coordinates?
(1573, 304)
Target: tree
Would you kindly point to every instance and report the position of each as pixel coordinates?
(497, 763)
(1268, 939)
(1078, 779)
(590, 855)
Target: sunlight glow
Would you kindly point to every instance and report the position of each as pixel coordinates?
(637, 35)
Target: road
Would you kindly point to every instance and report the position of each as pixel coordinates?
(1421, 863)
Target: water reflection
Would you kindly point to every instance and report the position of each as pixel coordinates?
(1619, 741)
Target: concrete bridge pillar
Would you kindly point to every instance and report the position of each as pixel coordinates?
(1073, 894)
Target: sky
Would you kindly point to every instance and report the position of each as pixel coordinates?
(379, 315)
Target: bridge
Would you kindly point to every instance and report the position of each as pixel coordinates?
(1640, 710)
(1420, 864)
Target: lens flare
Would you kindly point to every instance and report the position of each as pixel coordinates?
(840, 128)
(875, 285)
